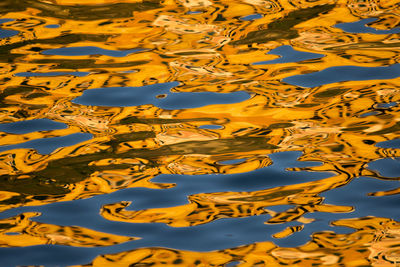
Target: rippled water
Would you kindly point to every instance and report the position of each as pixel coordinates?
(199, 132)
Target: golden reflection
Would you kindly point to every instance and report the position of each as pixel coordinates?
(20, 231)
(205, 46)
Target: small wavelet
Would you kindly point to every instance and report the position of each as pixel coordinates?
(23, 127)
(135, 96)
(361, 27)
(48, 145)
(288, 54)
(89, 50)
(344, 73)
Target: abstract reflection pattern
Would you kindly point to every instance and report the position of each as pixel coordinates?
(52, 52)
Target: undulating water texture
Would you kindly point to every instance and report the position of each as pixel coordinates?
(199, 132)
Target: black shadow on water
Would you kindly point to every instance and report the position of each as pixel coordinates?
(345, 73)
(135, 96)
(52, 26)
(288, 54)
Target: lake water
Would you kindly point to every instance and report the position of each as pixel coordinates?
(199, 133)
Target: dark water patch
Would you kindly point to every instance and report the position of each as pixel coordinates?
(12, 233)
(344, 73)
(7, 33)
(389, 144)
(135, 96)
(372, 113)
(194, 12)
(386, 105)
(251, 17)
(388, 167)
(288, 54)
(52, 26)
(48, 145)
(89, 50)
(5, 20)
(280, 125)
(23, 127)
(361, 27)
(52, 74)
(330, 93)
(45, 255)
(233, 263)
(211, 127)
(356, 194)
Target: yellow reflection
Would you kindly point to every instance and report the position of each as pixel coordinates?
(21, 231)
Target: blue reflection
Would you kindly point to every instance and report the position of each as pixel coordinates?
(388, 167)
(211, 127)
(52, 26)
(194, 12)
(356, 194)
(89, 50)
(288, 54)
(345, 73)
(135, 96)
(7, 33)
(47, 145)
(361, 27)
(389, 144)
(251, 17)
(386, 105)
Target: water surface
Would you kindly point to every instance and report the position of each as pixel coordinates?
(199, 132)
